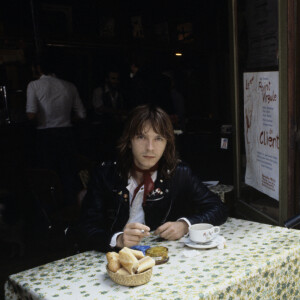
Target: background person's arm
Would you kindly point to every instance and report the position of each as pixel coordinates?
(78, 106)
(31, 102)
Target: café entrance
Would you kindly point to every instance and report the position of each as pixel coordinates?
(263, 47)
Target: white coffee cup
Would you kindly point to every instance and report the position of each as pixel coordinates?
(203, 232)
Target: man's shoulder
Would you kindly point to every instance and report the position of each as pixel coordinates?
(182, 166)
(107, 164)
(107, 172)
(44, 79)
(107, 168)
(65, 82)
(34, 82)
(182, 170)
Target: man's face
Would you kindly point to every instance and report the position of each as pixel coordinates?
(113, 79)
(147, 148)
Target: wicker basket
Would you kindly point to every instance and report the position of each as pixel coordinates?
(130, 280)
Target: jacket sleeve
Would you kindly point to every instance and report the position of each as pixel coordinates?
(92, 231)
(202, 205)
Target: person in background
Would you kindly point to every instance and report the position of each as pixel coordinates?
(109, 112)
(147, 189)
(139, 89)
(51, 103)
(177, 113)
(148, 85)
(108, 100)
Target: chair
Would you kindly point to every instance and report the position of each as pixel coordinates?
(292, 222)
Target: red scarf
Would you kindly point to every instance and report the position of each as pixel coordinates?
(147, 182)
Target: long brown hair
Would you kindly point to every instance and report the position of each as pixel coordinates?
(161, 124)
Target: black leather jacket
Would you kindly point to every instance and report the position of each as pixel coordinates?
(105, 208)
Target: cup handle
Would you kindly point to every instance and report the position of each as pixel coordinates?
(216, 229)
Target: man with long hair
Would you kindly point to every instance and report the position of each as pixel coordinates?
(148, 188)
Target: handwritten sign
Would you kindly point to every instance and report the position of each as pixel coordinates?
(261, 125)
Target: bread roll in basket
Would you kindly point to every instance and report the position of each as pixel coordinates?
(130, 280)
(129, 267)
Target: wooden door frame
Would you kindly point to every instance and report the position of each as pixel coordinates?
(296, 207)
(287, 16)
(289, 34)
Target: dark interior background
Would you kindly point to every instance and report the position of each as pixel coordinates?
(76, 33)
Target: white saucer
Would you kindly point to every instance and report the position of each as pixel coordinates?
(211, 244)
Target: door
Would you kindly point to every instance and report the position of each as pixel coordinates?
(264, 41)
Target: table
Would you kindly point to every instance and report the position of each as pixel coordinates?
(259, 262)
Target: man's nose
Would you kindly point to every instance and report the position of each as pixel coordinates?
(150, 145)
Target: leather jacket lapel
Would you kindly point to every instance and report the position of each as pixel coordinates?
(161, 189)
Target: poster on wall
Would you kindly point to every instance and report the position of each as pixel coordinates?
(261, 125)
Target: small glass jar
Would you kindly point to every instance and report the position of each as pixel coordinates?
(159, 254)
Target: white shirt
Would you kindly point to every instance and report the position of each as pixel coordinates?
(53, 100)
(136, 211)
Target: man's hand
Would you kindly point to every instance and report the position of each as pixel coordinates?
(172, 230)
(132, 235)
